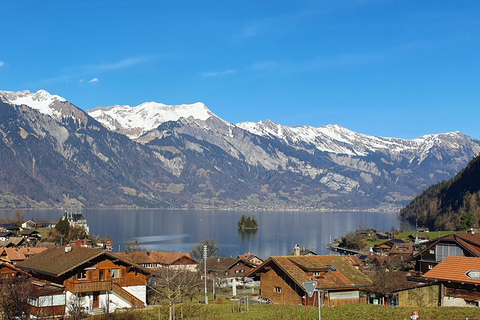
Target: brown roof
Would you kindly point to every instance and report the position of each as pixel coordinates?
(157, 257)
(342, 275)
(221, 263)
(20, 254)
(455, 269)
(56, 261)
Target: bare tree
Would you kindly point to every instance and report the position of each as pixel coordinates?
(14, 296)
(172, 283)
(134, 245)
(212, 248)
(75, 308)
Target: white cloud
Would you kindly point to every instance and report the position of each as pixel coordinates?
(94, 80)
(2, 64)
(81, 81)
(218, 74)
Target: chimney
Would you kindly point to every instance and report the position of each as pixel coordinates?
(68, 249)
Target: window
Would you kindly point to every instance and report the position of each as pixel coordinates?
(317, 274)
(115, 273)
(82, 275)
(445, 250)
(278, 290)
(430, 266)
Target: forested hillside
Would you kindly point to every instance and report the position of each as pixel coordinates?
(451, 204)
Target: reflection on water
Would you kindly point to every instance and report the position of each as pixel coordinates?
(247, 234)
(278, 232)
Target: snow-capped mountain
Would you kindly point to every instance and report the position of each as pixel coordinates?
(135, 121)
(41, 100)
(154, 154)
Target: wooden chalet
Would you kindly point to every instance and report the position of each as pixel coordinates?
(250, 257)
(385, 247)
(435, 251)
(99, 280)
(228, 269)
(159, 259)
(282, 278)
(8, 270)
(458, 279)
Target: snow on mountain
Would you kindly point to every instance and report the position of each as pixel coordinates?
(41, 100)
(147, 116)
(337, 139)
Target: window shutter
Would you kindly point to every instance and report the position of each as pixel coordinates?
(89, 274)
(123, 272)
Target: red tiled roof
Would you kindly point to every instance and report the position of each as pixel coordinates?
(454, 269)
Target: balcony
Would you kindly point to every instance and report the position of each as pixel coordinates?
(89, 286)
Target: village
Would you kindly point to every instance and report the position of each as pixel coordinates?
(84, 276)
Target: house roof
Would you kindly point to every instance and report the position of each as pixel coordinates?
(455, 269)
(156, 257)
(20, 254)
(248, 256)
(468, 242)
(342, 275)
(10, 226)
(57, 261)
(223, 264)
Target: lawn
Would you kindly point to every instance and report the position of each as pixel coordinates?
(230, 310)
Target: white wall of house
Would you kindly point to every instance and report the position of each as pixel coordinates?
(138, 291)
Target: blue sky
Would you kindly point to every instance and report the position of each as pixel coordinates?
(386, 68)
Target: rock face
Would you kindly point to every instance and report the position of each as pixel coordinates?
(156, 155)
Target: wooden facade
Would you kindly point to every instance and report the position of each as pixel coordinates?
(98, 278)
(282, 278)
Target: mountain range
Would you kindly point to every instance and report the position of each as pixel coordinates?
(155, 155)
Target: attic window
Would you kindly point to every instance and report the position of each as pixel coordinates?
(317, 274)
(332, 268)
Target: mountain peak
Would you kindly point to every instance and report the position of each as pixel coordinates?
(40, 100)
(147, 116)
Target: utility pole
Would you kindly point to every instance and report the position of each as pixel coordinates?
(205, 272)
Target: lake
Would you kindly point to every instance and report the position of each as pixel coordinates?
(177, 230)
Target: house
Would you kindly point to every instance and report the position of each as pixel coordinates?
(16, 255)
(31, 236)
(86, 243)
(228, 269)
(403, 250)
(29, 224)
(385, 247)
(8, 270)
(250, 257)
(421, 238)
(96, 279)
(14, 242)
(5, 235)
(282, 278)
(106, 244)
(459, 279)
(159, 259)
(9, 227)
(382, 235)
(435, 251)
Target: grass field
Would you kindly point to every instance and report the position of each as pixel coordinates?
(229, 310)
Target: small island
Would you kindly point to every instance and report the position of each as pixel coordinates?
(247, 223)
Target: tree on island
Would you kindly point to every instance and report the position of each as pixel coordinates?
(247, 222)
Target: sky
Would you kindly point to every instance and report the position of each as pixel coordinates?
(379, 67)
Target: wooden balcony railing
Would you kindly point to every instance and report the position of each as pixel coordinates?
(89, 286)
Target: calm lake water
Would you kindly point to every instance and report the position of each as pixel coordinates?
(277, 234)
